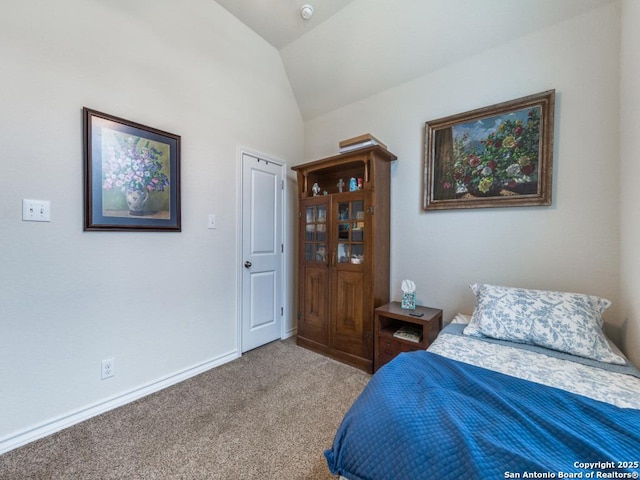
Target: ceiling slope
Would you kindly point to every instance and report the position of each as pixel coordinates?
(367, 46)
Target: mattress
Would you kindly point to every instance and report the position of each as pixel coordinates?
(615, 385)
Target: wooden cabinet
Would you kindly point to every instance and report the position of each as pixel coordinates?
(390, 318)
(343, 260)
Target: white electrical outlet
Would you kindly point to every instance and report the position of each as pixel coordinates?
(36, 210)
(108, 368)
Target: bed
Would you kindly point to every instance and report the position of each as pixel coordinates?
(527, 387)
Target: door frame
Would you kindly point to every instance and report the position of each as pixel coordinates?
(284, 277)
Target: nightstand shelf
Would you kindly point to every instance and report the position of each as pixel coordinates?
(390, 318)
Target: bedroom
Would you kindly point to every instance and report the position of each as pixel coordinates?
(68, 299)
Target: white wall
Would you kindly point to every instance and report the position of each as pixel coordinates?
(630, 163)
(161, 304)
(572, 245)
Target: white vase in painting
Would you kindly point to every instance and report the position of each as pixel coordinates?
(136, 200)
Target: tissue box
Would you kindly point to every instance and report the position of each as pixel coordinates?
(409, 301)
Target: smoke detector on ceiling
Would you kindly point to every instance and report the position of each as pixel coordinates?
(306, 11)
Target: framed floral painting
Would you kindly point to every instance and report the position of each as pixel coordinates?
(131, 175)
(496, 156)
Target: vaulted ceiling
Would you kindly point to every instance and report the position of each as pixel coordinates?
(351, 49)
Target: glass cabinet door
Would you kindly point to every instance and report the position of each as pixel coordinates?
(315, 242)
(350, 223)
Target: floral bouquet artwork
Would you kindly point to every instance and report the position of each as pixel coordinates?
(133, 175)
(494, 156)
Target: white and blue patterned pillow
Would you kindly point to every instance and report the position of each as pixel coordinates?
(568, 322)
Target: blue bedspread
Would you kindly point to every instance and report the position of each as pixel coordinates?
(424, 416)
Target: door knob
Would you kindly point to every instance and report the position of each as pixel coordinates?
(247, 264)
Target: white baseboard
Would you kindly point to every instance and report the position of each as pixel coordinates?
(46, 428)
(290, 333)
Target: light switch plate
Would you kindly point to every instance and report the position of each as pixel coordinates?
(36, 210)
(212, 221)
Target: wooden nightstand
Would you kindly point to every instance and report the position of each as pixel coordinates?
(389, 318)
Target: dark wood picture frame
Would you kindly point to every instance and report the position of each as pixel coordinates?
(131, 175)
(496, 156)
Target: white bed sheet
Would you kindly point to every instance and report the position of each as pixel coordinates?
(599, 384)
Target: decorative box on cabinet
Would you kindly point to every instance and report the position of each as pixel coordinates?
(343, 258)
(390, 318)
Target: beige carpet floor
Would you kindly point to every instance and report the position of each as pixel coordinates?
(267, 415)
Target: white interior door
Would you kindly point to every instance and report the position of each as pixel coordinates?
(262, 199)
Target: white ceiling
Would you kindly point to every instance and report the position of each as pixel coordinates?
(279, 21)
(352, 49)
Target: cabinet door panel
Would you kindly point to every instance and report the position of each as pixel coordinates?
(314, 322)
(351, 324)
(313, 316)
(350, 228)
